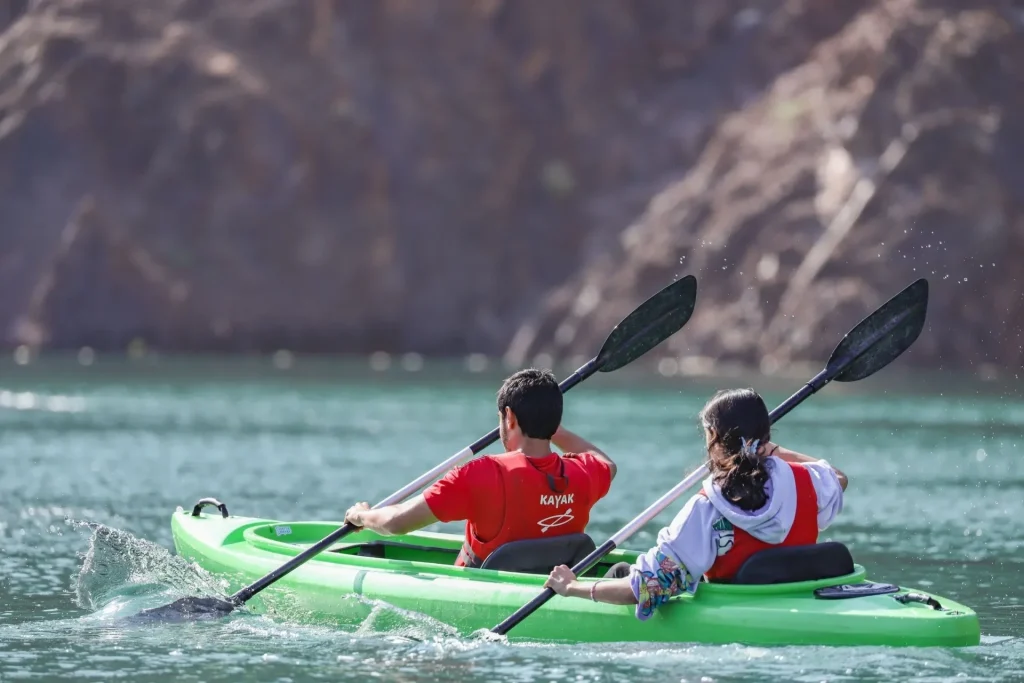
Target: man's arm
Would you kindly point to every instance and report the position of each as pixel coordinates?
(793, 456)
(392, 520)
(573, 443)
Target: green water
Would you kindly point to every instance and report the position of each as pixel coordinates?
(935, 501)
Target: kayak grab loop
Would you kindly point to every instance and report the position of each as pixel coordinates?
(855, 590)
(210, 502)
(918, 597)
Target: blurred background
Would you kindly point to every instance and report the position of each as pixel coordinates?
(488, 179)
(282, 252)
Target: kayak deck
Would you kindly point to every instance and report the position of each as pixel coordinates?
(416, 572)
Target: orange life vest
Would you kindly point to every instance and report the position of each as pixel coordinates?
(537, 505)
(803, 532)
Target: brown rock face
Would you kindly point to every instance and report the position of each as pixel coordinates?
(893, 153)
(506, 176)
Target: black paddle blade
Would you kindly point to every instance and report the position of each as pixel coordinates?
(187, 609)
(881, 337)
(651, 323)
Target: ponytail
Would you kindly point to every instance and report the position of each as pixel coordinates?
(742, 477)
(739, 420)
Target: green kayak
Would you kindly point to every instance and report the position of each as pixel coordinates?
(416, 572)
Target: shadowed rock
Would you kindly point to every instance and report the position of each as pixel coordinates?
(464, 176)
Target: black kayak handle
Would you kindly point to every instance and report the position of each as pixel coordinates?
(210, 502)
(918, 597)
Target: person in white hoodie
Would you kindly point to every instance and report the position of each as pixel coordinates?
(758, 495)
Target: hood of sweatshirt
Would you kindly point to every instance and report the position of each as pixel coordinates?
(773, 521)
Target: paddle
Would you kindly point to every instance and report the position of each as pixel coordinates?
(870, 346)
(651, 323)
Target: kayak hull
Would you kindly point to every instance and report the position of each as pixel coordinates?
(418, 579)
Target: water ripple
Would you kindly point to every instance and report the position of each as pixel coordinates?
(935, 489)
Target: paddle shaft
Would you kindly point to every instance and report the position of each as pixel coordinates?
(656, 508)
(652, 322)
(583, 372)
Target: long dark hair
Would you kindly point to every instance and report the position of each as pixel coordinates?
(738, 417)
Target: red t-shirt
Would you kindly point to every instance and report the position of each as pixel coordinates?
(474, 491)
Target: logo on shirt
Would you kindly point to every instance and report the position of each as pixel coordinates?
(725, 535)
(556, 520)
(556, 500)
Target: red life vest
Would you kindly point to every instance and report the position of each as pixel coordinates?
(803, 532)
(537, 505)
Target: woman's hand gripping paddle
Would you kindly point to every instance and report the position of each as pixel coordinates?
(877, 341)
(651, 323)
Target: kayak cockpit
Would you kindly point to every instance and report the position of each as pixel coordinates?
(437, 552)
(437, 549)
(534, 556)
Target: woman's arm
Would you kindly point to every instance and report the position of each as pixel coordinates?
(611, 591)
(793, 456)
(686, 549)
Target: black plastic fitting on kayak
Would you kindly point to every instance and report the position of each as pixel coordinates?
(855, 590)
(210, 502)
(918, 597)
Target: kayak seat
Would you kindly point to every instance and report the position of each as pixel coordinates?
(787, 564)
(539, 555)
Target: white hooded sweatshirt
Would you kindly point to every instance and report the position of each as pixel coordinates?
(703, 530)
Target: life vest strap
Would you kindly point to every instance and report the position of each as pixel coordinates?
(468, 557)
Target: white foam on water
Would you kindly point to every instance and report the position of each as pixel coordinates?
(120, 574)
(53, 403)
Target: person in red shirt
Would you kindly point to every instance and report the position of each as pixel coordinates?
(525, 493)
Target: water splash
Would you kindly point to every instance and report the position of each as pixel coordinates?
(402, 624)
(121, 573)
(486, 635)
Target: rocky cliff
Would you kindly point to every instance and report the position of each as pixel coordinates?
(509, 177)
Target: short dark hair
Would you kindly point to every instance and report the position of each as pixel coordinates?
(535, 400)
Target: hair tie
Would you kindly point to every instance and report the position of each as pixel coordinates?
(749, 448)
